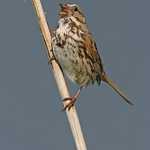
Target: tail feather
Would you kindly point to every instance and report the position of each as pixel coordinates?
(107, 80)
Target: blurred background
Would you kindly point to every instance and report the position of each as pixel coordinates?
(30, 105)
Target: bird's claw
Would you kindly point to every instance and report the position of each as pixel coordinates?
(70, 104)
(51, 59)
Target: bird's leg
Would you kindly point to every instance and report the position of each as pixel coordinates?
(72, 99)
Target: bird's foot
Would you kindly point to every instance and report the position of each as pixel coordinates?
(51, 59)
(71, 102)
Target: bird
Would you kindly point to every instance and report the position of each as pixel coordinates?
(75, 50)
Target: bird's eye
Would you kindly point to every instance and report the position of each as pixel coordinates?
(75, 9)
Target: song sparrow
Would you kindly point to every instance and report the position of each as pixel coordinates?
(75, 50)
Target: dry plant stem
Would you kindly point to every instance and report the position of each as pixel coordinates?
(72, 114)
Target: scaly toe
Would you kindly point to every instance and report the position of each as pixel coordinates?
(51, 59)
(70, 104)
(68, 99)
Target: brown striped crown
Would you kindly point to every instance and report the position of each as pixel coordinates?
(68, 10)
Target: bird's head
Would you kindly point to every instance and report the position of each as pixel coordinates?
(71, 10)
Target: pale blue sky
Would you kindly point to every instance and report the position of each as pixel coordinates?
(30, 105)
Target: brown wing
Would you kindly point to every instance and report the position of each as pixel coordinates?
(92, 52)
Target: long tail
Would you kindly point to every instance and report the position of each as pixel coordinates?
(107, 80)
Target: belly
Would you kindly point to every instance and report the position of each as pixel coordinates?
(73, 66)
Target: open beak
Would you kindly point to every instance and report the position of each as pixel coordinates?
(64, 10)
(63, 6)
